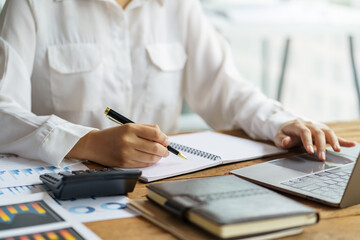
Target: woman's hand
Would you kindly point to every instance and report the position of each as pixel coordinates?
(298, 132)
(129, 146)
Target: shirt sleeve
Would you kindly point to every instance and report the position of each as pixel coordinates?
(46, 138)
(216, 91)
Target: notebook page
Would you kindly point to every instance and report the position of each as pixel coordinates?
(174, 165)
(230, 148)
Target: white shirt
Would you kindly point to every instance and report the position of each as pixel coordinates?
(62, 62)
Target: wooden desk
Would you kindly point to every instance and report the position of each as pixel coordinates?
(334, 223)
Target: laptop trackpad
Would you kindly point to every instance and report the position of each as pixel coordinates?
(309, 163)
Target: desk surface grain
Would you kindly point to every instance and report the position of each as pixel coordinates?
(334, 223)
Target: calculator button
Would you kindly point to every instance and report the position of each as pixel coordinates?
(78, 172)
(65, 173)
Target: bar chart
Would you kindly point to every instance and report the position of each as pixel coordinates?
(26, 214)
(61, 234)
(30, 176)
(21, 190)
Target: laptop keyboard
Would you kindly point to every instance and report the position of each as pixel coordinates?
(330, 183)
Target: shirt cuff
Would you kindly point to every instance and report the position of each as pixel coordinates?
(59, 137)
(278, 119)
(271, 115)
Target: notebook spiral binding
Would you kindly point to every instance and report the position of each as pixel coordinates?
(194, 151)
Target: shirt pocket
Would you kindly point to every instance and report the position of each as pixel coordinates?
(165, 73)
(76, 74)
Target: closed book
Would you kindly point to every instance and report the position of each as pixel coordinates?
(228, 206)
(185, 230)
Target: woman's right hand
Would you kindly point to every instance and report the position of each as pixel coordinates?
(129, 146)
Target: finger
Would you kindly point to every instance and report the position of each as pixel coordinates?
(346, 143)
(298, 131)
(291, 141)
(138, 160)
(137, 164)
(151, 147)
(279, 139)
(284, 141)
(150, 125)
(306, 139)
(152, 133)
(320, 142)
(144, 157)
(332, 139)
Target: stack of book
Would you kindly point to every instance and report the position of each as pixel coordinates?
(222, 207)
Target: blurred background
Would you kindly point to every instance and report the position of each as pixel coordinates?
(305, 53)
(302, 52)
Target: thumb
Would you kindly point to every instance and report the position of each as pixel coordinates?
(284, 141)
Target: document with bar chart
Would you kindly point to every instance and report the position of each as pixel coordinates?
(23, 190)
(57, 234)
(12, 161)
(85, 209)
(17, 171)
(38, 216)
(26, 215)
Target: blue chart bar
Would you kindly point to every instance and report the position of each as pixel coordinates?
(51, 168)
(38, 170)
(27, 171)
(26, 176)
(14, 173)
(2, 173)
(13, 190)
(16, 190)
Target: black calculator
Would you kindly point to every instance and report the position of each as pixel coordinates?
(91, 183)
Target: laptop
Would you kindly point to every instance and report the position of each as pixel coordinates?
(334, 182)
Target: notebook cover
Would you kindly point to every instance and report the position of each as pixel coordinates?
(226, 200)
(185, 230)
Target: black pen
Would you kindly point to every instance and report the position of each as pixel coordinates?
(120, 119)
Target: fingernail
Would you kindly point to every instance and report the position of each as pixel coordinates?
(310, 148)
(167, 154)
(322, 156)
(337, 147)
(285, 142)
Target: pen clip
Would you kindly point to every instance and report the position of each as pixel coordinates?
(113, 120)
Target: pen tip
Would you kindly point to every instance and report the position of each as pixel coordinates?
(107, 110)
(181, 155)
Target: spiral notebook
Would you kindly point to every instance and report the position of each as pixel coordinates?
(204, 150)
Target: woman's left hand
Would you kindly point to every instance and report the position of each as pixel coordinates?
(298, 132)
